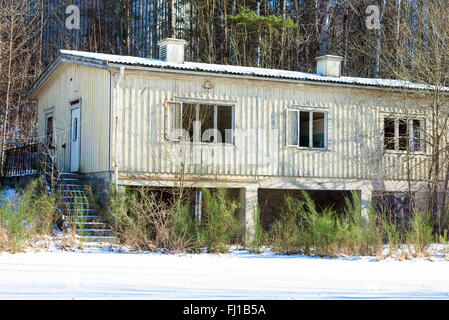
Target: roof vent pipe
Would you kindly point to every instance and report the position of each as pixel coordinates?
(329, 66)
(172, 50)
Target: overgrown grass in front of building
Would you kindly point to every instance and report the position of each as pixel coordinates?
(145, 222)
(302, 228)
(31, 213)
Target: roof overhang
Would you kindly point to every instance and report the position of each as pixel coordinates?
(111, 62)
(62, 58)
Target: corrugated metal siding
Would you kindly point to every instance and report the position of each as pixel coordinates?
(69, 83)
(354, 125)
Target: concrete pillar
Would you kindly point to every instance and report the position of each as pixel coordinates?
(365, 201)
(248, 202)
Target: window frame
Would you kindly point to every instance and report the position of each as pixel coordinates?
(50, 114)
(197, 104)
(410, 138)
(311, 112)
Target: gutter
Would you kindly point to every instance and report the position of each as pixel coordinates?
(117, 86)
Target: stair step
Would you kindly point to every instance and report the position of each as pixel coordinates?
(94, 232)
(73, 203)
(93, 223)
(107, 239)
(75, 197)
(77, 192)
(88, 218)
(70, 175)
(86, 230)
(69, 185)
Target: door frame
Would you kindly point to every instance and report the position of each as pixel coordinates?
(74, 104)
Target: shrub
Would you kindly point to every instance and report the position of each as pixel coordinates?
(420, 232)
(359, 235)
(286, 231)
(258, 239)
(145, 222)
(139, 219)
(32, 212)
(304, 228)
(221, 224)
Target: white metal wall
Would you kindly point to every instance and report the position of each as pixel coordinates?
(355, 118)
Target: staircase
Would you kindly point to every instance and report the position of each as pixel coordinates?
(79, 215)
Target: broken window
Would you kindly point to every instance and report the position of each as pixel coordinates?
(403, 134)
(306, 128)
(389, 129)
(417, 135)
(207, 123)
(206, 120)
(318, 130)
(50, 132)
(224, 124)
(188, 117)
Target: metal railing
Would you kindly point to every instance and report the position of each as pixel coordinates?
(22, 160)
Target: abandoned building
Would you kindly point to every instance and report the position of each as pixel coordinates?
(260, 132)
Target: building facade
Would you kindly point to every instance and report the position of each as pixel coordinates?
(147, 122)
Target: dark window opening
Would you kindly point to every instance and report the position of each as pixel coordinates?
(304, 139)
(188, 118)
(50, 132)
(403, 134)
(416, 132)
(207, 122)
(224, 124)
(318, 130)
(389, 134)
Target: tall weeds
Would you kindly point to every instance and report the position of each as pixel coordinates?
(304, 229)
(32, 212)
(420, 232)
(221, 224)
(147, 223)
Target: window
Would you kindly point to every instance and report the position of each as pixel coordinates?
(75, 129)
(306, 129)
(402, 134)
(199, 122)
(49, 128)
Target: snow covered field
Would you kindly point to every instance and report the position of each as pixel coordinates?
(100, 274)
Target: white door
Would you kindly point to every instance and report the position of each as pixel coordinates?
(75, 146)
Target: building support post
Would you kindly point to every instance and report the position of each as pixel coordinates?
(116, 114)
(365, 201)
(248, 203)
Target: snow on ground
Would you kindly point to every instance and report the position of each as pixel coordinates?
(8, 194)
(102, 274)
